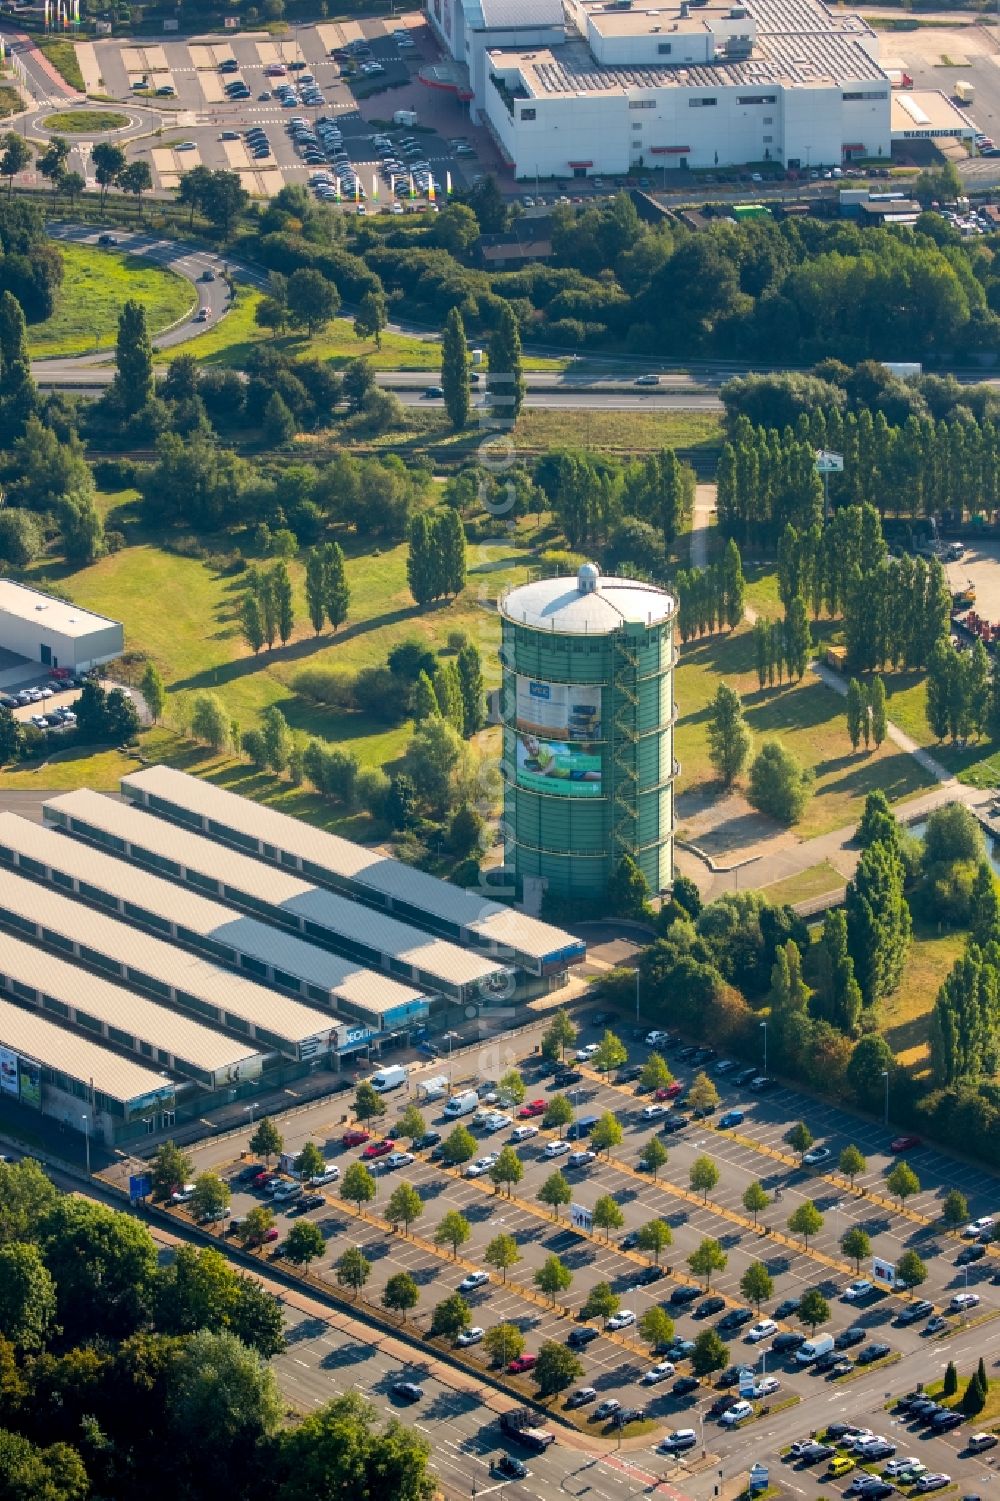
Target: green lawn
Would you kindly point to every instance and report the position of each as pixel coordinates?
(977, 764)
(628, 431)
(806, 717)
(11, 102)
(62, 55)
(85, 121)
(906, 1015)
(818, 880)
(95, 284)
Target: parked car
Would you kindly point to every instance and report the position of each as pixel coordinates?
(816, 1155)
(470, 1336)
(472, 1281)
(875, 1351)
(581, 1396)
(684, 1386)
(761, 1330)
(579, 1337)
(624, 1319)
(709, 1306)
(858, 1289)
(738, 1413)
(355, 1137)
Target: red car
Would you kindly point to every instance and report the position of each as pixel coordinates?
(261, 1179)
(670, 1091)
(265, 1239)
(533, 1108)
(522, 1363)
(355, 1137)
(905, 1143)
(378, 1148)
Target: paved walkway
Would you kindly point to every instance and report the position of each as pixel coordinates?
(701, 521)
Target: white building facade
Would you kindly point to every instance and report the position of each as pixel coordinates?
(676, 84)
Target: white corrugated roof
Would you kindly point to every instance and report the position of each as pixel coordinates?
(145, 1020)
(37, 1038)
(256, 1004)
(341, 977)
(559, 605)
(491, 922)
(42, 609)
(279, 888)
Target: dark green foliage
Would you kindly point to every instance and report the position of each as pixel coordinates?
(505, 380)
(628, 890)
(455, 370)
(133, 385)
(878, 923)
(779, 785)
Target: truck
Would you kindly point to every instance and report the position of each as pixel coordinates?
(581, 1128)
(404, 117)
(522, 1426)
(388, 1078)
(965, 92)
(462, 1104)
(820, 1344)
(433, 1089)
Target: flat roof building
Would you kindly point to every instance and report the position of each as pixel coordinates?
(363, 874)
(123, 1018)
(53, 632)
(77, 1081)
(171, 974)
(213, 929)
(277, 896)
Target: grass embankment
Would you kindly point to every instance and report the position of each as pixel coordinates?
(95, 285)
(85, 121)
(984, 1419)
(977, 764)
(806, 717)
(818, 880)
(11, 102)
(905, 1016)
(61, 53)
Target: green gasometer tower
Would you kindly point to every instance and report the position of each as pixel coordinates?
(588, 717)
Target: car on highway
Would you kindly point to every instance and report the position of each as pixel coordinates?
(472, 1281)
(624, 1319)
(858, 1289)
(509, 1467)
(378, 1148)
(738, 1413)
(470, 1336)
(678, 1441)
(582, 1396)
(816, 1155)
(762, 1330)
(408, 1390)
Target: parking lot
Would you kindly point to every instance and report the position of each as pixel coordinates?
(614, 1366)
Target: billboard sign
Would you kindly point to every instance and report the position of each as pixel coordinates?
(346, 1037)
(747, 1379)
(8, 1072)
(30, 1074)
(759, 1478)
(884, 1271)
(140, 1186)
(580, 1217)
(558, 734)
(829, 463)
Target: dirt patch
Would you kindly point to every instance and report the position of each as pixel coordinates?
(727, 828)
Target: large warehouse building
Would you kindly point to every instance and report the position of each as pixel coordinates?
(48, 630)
(588, 716)
(580, 87)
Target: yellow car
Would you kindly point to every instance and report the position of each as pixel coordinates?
(840, 1466)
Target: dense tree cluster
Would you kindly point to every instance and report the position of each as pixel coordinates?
(435, 566)
(592, 494)
(713, 597)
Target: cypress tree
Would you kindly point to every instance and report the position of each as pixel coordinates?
(878, 923)
(733, 585)
(448, 690)
(857, 710)
(133, 386)
(420, 571)
(251, 623)
(455, 370)
(337, 590)
(950, 1385)
(470, 673)
(268, 607)
(729, 742)
(878, 716)
(316, 574)
(505, 381)
(449, 549)
(13, 331)
(798, 638)
(984, 908)
(838, 996)
(425, 700)
(284, 606)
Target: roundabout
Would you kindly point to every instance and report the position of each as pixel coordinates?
(88, 122)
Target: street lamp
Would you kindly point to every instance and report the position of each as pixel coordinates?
(885, 1076)
(86, 1141)
(449, 1037)
(637, 992)
(763, 1028)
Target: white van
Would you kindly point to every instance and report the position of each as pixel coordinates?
(389, 1078)
(462, 1104)
(820, 1344)
(433, 1089)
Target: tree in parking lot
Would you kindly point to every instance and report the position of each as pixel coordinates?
(169, 1168)
(607, 1133)
(709, 1353)
(503, 1343)
(358, 1186)
(211, 1197)
(608, 1215)
(507, 1170)
(805, 1221)
(454, 1230)
(555, 1192)
(856, 1245)
(352, 1269)
(611, 1053)
(405, 1205)
(656, 1327)
(512, 1086)
(851, 1162)
(755, 1200)
(707, 1258)
(757, 1284)
(552, 1277)
(502, 1253)
(911, 1269)
(368, 1103)
(266, 1140)
(304, 1243)
(601, 1302)
(800, 1139)
(255, 1225)
(555, 1369)
(310, 1162)
(902, 1182)
(813, 1308)
(653, 1156)
(559, 1035)
(459, 1146)
(401, 1294)
(655, 1073)
(451, 1317)
(653, 1238)
(558, 1113)
(703, 1176)
(411, 1123)
(702, 1095)
(949, 1387)
(955, 1209)
(975, 1394)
